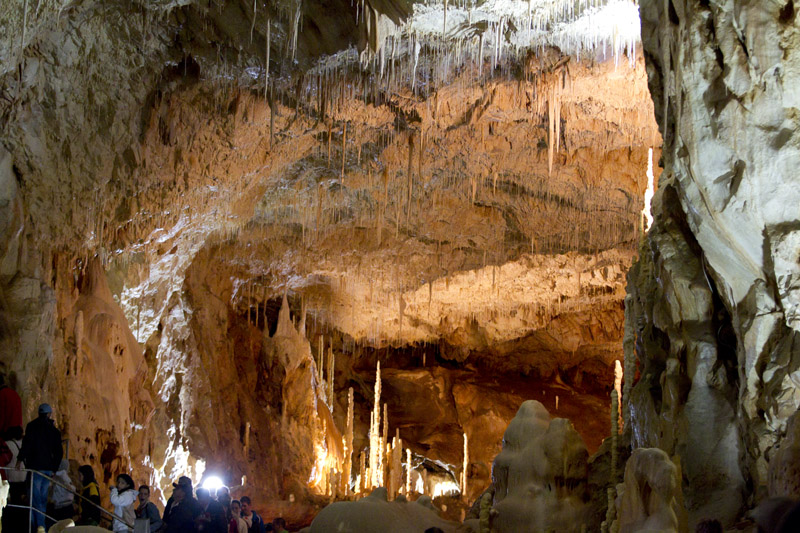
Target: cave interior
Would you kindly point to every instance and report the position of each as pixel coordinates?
(393, 265)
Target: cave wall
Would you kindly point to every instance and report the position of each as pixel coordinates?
(712, 305)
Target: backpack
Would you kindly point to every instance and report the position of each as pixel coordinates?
(18, 475)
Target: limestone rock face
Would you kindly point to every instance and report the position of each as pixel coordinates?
(649, 498)
(712, 314)
(784, 466)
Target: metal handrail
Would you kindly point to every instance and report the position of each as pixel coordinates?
(71, 491)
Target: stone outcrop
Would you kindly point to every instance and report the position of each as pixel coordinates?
(373, 514)
(540, 477)
(649, 499)
(711, 312)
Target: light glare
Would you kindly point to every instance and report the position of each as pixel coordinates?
(212, 483)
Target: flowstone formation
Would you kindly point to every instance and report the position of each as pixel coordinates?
(711, 316)
(649, 499)
(539, 479)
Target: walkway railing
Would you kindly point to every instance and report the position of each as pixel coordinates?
(31, 509)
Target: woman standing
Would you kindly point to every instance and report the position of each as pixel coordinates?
(123, 498)
(90, 515)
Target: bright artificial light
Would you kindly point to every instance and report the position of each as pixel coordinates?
(212, 483)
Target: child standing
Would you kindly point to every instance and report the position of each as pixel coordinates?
(123, 497)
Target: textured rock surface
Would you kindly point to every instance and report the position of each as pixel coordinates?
(649, 499)
(713, 300)
(373, 514)
(539, 478)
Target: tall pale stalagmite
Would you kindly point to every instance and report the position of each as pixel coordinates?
(465, 467)
(374, 433)
(348, 443)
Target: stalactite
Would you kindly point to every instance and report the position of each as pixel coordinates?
(344, 147)
(410, 174)
(331, 377)
(330, 133)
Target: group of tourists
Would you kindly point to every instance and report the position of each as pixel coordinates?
(188, 511)
(39, 448)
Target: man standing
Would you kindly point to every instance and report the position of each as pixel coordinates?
(212, 516)
(255, 524)
(147, 509)
(42, 451)
(180, 512)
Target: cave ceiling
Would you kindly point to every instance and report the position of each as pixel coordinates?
(457, 209)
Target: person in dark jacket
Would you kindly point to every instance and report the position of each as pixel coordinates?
(147, 509)
(90, 515)
(181, 509)
(42, 451)
(211, 517)
(16, 519)
(255, 524)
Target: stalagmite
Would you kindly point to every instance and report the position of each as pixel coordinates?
(611, 511)
(396, 480)
(348, 443)
(362, 475)
(648, 193)
(618, 387)
(408, 471)
(465, 468)
(246, 439)
(383, 466)
(374, 433)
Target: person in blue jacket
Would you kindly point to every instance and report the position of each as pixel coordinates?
(255, 524)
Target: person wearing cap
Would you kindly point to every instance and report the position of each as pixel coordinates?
(42, 451)
(184, 482)
(181, 509)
